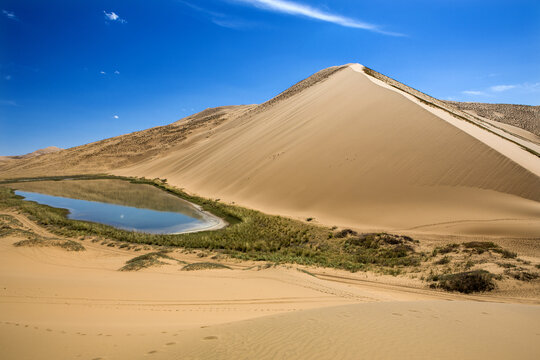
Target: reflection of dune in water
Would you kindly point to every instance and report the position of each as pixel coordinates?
(116, 192)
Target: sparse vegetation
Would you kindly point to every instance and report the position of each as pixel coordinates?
(204, 266)
(480, 247)
(522, 275)
(148, 260)
(41, 241)
(465, 282)
(251, 235)
(443, 261)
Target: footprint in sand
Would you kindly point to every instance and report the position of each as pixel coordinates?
(170, 343)
(397, 314)
(210, 338)
(152, 352)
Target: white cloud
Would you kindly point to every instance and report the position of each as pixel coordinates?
(9, 14)
(112, 16)
(474, 93)
(500, 88)
(294, 8)
(116, 116)
(102, 72)
(117, 72)
(8, 102)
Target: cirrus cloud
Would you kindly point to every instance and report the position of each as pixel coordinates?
(10, 14)
(298, 9)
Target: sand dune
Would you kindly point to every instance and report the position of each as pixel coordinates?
(347, 146)
(350, 152)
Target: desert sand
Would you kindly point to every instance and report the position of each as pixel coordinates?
(56, 304)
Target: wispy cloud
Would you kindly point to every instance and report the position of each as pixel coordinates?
(298, 9)
(217, 18)
(117, 72)
(116, 117)
(103, 73)
(474, 93)
(7, 77)
(497, 89)
(112, 16)
(10, 15)
(501, 88)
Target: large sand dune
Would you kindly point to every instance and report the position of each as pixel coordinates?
(351, 152)
(348, 147)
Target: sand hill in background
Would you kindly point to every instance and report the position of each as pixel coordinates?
(47, 150)
(521, 116)
(347, 146)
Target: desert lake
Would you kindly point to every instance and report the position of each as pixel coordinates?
(133, 207)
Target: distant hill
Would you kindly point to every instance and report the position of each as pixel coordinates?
(522, 116)
(47, 150)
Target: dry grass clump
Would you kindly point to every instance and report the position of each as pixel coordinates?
(147, 260)
(9, 220)
(40, 241)
(204, 266)
(9, 225)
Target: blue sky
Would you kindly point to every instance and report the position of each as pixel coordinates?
(73, 72)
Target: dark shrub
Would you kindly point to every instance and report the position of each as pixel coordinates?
(467, 282)
(345, 232)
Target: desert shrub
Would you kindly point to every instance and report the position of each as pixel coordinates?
(344, 233)
(466, 282)
(446, 249)
(522, 275)
(480, 246)
(506, 254)
(443, 261)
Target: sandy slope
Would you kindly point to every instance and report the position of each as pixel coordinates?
(385, 330)
(63, 305)
(350, 152)
(342, 147)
